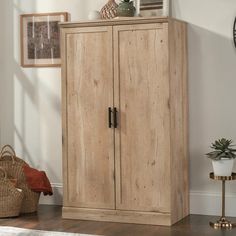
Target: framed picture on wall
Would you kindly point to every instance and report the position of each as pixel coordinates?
(40, 39)
(150, 8)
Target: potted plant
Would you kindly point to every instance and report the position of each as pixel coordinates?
(222, 157)
(126, 8)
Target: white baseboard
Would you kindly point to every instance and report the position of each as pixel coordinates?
(56, 198)
(207, 203)
(201, 202)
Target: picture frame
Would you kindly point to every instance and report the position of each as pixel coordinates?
(40, 39)
(149, 8)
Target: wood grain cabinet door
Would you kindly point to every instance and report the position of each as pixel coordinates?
(142, 139)
(89, 149)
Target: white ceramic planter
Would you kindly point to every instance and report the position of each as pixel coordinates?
(94, 15)
(223, 167)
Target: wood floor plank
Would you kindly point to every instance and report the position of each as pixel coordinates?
(49, 218)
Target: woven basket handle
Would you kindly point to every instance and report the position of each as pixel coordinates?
(5, 173)
(7, 153)
(11, 149)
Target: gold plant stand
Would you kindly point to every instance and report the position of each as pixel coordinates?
(223, 222)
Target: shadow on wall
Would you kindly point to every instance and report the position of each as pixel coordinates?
(37, 123)
(24, 96)
(212, 70)
(7, 83)
(13, 117)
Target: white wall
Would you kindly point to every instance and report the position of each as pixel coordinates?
(30, 98)
(212, 95)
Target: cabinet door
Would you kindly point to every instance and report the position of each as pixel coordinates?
(89, 147)
(142, 139)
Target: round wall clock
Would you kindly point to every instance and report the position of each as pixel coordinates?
(234, 32)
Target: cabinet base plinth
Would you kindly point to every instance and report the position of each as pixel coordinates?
(150, 218)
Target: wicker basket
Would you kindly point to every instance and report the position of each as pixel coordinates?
(10, 197)
(14, 168)
(31, 199)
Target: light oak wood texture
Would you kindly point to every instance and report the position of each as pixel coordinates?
(142, 139)
(118, 21)
(117, 216)
(147, 59)
(89, 92)
(64, 114)
(179, 120)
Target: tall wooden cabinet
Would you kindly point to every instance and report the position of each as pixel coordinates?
(125, 144)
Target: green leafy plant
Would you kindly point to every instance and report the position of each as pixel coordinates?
(222, 149)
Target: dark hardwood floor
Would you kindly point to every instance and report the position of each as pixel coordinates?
(49, 218)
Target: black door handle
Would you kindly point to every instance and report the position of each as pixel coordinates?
(114, 111)
(109, 117)
(115, 117)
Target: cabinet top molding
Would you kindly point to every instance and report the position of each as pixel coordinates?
(118, 21)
